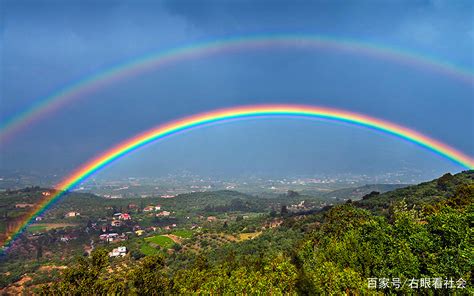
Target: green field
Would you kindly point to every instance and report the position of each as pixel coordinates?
(162, 241)
(148, 250)
(183, 233)
(37, 228)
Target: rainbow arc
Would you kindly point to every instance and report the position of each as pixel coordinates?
(238, 113)
(81, 88)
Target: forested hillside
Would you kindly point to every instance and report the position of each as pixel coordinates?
(415, 239)
(359, 192)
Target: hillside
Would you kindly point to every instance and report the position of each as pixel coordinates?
(421, 195)
(423, 233)
(358, 192)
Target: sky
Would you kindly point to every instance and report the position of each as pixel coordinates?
(46, 45)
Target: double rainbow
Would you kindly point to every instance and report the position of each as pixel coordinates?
(236, 113)
(79, 89)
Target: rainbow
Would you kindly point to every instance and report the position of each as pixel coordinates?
(237, 113)
(81, 88)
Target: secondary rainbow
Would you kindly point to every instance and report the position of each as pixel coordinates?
(80, 88)
(237, 113)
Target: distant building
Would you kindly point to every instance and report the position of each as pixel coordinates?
(39, 218)
(125, 216)
(46, 193)
(109, 237)
(163, 214)
(211, 219)
(167, 196)
(120, 251)
(66, 238)
(152, 208)
(24, 205)
(149, 209)
(72, 214)
(116, 223)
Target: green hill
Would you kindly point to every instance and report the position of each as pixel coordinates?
(424, 194)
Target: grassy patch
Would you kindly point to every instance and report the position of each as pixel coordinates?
(183, 233)
(148, 250)
(162, 241)
(248, 235)
(47, 226)
(37, 228)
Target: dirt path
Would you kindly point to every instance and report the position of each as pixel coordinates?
(175, 238)
(17, 288)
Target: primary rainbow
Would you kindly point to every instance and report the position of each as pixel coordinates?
(144, 63)
(236, 113)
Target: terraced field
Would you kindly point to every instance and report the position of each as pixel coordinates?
(183, 233)
(160, 240)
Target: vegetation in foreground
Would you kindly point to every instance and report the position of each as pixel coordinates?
(421, 232)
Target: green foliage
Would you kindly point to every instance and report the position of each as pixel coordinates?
(353, 245)
(276, 277)
(84, 278)
(149, 278)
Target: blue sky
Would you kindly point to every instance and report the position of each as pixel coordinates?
(49, 44)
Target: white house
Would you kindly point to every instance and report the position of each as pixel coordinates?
(72, 214)
(120, 251)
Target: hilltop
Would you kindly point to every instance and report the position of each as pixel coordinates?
(358, 192)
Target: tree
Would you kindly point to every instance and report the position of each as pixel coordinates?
(370, 195)
(273, 213)
(444, 181)
(39, 251)
(149, 278)
(292, 194)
